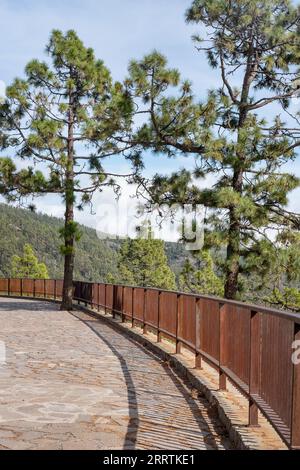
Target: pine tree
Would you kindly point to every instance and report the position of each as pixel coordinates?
(28, 266)
(272, 273)
(63, 118)
(252, 46)
(198, 275)
(287, 298)
(143, 262)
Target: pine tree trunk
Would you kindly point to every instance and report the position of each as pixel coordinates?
(234, 232)
(234, 238)
(233, 257)
(67, 300)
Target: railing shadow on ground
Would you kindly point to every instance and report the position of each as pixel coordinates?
(181, 386)
(133, 382)
(132, 428)
(30, 305)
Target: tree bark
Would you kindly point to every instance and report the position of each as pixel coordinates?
(67, 300)
(234, 232)
(233, 257)
(234, 237)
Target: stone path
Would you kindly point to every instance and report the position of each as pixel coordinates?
(70, 381)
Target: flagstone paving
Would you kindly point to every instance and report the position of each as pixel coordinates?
(69, 381)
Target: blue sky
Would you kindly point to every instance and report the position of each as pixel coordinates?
(118, 30)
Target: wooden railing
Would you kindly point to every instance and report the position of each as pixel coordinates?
(250, 345)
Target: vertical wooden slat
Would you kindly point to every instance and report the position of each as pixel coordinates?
(92, 297)
(223, 345)
(132, 308)
(178, 324)
(158, 320)
(198, 360)
(295, 431)
(167, 312)
(85, 294)
(210, 328)
(276, 366)
(123, 316)
(255, 365)
(144, 312)
(114, 301)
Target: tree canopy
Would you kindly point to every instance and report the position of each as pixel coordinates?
(143, 262)
(254, 47)
(63, 117)
(198, 276)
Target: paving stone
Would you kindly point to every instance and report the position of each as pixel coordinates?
(71, 382)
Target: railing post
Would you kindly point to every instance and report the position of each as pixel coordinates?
(198, 360)
(178, 326)
(255, 358)
(79, 289)
(158, 319)
(222, 352)
(132, 309)
(85, 300)
(123, 316)
(144, 312)
(295, 428)
(98, 297)
(113, 301)
(78, 285)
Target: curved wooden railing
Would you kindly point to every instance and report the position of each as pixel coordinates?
(250, 345)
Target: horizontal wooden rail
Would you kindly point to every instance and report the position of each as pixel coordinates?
(249, 345)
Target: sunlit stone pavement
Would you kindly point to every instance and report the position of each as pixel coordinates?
(72, 382)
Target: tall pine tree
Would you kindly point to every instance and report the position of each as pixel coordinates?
(28, 266)
(198, 275)
(62, 118)
(143, 262)
(251, 46)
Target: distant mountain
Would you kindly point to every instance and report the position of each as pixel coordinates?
(94, 259)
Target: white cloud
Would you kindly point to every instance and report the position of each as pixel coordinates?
(2, 89)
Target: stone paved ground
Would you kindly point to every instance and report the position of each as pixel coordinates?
(72, 382)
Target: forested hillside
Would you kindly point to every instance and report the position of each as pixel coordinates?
(94, 257)
(94, 260)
